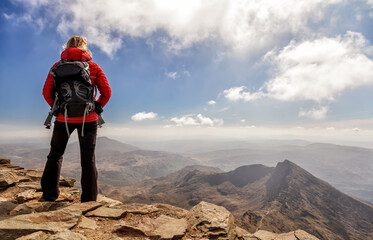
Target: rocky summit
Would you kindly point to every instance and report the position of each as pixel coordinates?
(24, 217)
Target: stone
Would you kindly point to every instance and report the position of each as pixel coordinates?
(264, 235)
(107, 212)
(6, 206)
(4, 161)
(87, 223)
(302, 235)
(29, 186)
(85, 207)
(286, 236)
(169, 228)
(210, 221)
(27, 195)
(7, 178)
(138, 208)
(67, 182)
(54, 221)
(35, 236)
(162, 228)
(33, 207)
(34, 174)
(108, 201)
(241, 232)
(67, 235)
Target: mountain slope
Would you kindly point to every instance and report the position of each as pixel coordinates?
(278, 199)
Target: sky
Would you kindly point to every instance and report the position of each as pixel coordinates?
(290, 68)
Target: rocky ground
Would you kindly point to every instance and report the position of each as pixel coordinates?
(24, 217)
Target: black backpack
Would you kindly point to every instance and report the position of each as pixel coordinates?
(74, 89)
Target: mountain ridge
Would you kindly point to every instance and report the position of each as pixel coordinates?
(277, 200)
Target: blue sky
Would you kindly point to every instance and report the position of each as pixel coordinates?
(197, 65)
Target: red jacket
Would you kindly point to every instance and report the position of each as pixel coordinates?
(98, 79)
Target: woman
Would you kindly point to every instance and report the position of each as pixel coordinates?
(75, 50)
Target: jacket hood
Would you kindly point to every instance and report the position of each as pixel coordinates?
(75, 54)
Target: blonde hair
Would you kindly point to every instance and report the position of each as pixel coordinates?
(78, 42)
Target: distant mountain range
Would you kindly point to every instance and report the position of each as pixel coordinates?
(276, 199)
(349, 169)
(117, 163)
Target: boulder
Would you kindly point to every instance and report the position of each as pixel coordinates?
(206, 220)
(54, 221)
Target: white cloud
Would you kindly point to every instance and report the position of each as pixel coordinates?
(240, 25)
(172, 75)
(211, 102)
(199, 120)
(317, 70)
(237, 93)
(317, 114)
(143, 116)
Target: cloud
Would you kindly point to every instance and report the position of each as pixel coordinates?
(172, 75)
(143, 116)
(237, 93)
(317, 114)
(317, 70)
(240, 25)
(199, 120)
(211, 102)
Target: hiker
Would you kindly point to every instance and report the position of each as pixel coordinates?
(75, 56)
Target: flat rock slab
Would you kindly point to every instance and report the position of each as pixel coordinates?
(302, 235)
(264, 235)
(54, 221)
(85, 207)
(87, 223)
(35, 236)
(27, 195)
(30, 185)
(286, 236)
(67, 235)
(107, 212)
(7, 178)
(34, 174)
(162, 228)
(108, 201)
(207, 220)
(6, 206)
(33, 207)
(138, 208)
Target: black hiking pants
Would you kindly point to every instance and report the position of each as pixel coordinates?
(52, 170)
